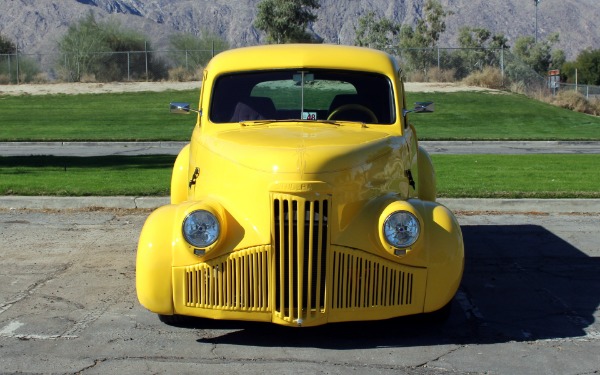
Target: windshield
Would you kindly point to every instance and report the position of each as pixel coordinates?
(310, 95)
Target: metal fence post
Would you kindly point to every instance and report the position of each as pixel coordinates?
(502, 64)
(9, 70)
(587, 92)
(146, 56)
(17, 60)
(128, 67)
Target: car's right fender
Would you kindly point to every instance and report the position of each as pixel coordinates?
(154, 261)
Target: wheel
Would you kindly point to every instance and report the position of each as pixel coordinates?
(175, 320)
(437, 317)
(360, 112)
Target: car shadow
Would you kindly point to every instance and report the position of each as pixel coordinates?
(521, 283)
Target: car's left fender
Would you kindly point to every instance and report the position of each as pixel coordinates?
(154, 260)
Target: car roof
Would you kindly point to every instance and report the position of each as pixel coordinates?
(322, 56)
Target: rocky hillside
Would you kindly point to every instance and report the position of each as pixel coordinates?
(36, 25)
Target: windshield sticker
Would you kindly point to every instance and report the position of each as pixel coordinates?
(309, 115)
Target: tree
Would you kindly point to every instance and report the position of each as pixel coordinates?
(80, 48)
(540, 56)
(194, 52)
(285, 21)
(376, 32)
(7, 46)
(587, 65)
(479, 48)
(13, 67)
(106, 52)
(421, 40)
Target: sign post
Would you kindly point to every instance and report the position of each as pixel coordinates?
(554, 80)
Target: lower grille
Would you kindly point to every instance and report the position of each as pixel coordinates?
(361, 280)
(236, 282)
(300, 248)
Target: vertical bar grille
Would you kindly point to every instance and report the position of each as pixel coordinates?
(360, 282)
(236, 282)
(300, 239)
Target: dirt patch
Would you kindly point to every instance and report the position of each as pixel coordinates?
(114, 87)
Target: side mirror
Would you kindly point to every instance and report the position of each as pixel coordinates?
(426, 107)
(420, 107)
(182, 108)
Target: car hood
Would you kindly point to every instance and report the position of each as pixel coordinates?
(301, 148)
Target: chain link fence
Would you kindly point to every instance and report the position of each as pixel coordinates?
(102, 66)
(589, 91)
(419, 64)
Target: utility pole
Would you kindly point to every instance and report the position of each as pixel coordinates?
(536, 2)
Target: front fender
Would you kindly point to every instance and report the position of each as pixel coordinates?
(440, 248)
(426, 183)
(179, 177)
(154, 260)
(445, 254)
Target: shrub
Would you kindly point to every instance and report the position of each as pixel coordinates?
(432, 75)
(40, 78)
(441, 75)
(596, 106)
(181, 74)
(488, 77)
(575, 101)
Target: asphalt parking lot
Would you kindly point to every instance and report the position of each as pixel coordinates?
(528, 304)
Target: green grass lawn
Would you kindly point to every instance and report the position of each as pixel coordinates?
(145, 116)
(483, 176)
(107, 117)
(144, 175)
(499, 116)
(518, 176)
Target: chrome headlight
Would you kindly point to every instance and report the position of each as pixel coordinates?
(201, 228)
(401, 229)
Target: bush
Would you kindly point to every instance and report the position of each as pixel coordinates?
(432, 75)
(596, 106)
(575, 101)
(441, 75)
(488, 77)
(181, 74)
(102, 49)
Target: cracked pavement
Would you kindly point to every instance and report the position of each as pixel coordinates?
(528, 304)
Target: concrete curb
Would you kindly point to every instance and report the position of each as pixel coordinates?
(523, 205)
(77, 203)
(460, 204)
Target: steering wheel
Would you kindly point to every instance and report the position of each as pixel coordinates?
(353, 107)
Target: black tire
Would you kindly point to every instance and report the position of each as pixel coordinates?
(175, 320)
(438, 317)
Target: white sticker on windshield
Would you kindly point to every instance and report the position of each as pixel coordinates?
(309, 115)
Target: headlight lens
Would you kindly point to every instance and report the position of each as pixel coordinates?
(201, 228)
(401, 229)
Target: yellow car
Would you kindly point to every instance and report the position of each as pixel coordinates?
(303, 197)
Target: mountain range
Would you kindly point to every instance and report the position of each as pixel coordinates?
(36, 25)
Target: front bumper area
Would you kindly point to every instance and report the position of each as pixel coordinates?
(250, 284)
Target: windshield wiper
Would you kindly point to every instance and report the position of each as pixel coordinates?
(330, 122)
(256, 122)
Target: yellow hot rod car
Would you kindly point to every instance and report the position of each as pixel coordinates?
(303, 197)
